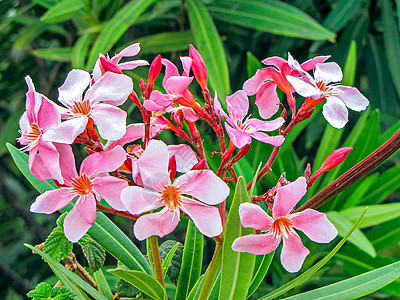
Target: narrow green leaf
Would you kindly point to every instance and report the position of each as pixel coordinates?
(57, 54)
(209, 44)
(253, 185)
(261, 267)
(307, 274)
(376, 214)
(195, 288)
(191, 262)
(103, 285)
(71, 276)
(355, 287)
(80, 51)
(168, 258)
(343, 225)
(172, 260)
(349, 70)
(253, 64)
(116, 27)
(385, 235)
(361, 192)
(79, 293)
(237, 267)
(270, 16)
(62, 11)
(144, 282)
(57, 245)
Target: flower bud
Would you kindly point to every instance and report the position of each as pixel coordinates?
(198, 67)
(108, 66)
(155, 69)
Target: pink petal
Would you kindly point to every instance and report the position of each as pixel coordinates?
(31, 104)
(51, 159)
(189, 114)
(51, 201)
(48, 116)
(265, 138)
(73, 87)
(237, 105)
(133, 133)
(186, 64)
(328, 72)
(258, 244)
(24, 123)
(111, 87)
(96, 73)
(81, 217)
(184, 155)
(67, 162)
(311, 63)
(36, 165)
(303, 88)
(351, 97)
(288, 196)
(335, 112)
(109, 188)
(131, 50)
(67, 131)
(160, 223)
(276, 61)
(218, 108)
(315, 225)
(158, 101)
(253, 84)
(139, 200)
(206, 218)
(153, 166)
(238, 138)
(130, 65)
(253, 216)
(110, 121)
(177, 85)
(101, 162)
(266, 125)
(199, 184)
(293, 253)
(170, 70)
(267, 100)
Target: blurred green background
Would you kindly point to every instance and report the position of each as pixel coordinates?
(46, 38)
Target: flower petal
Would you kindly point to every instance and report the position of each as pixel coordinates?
(311, 63)
(206, 218)
(258, 244)
(51, 159)
(335, 112)
(352, 97)
(276, 140)
(109, 188)
(204, 185)
(253, 84)
(177, 84)
(303, 88)
(67, 162)
(36, 165)
(131, 50)
(133, 133)
(48, 115)
(218, 108)
(266, 125)
(81, 217)
(130, 65)
(110, 121)
(158, 101)
(170, 70)
(267, 100)
(67, 131)
(276, 61)
(315, 225)
(51, 201)
(101, 162)
(237, 105)
(293, 253)
(328, 72)
(73, 87)
(253, 216)
(139, 200)
(160, 223)
(184, 155)
(238, 138)
(288, 196)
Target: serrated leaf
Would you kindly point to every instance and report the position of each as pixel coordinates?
(171, 253)
(62, 11)
(95, 255)
(62, 293)
(42, 290)
(60, 220)
(57, 245)
(126, 289)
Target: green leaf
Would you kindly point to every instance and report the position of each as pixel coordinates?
(116, 27)
(237, 267)
(57, 245)
(253, 64)
(349, 70)
(343, 225)
(261, 267)
(196, 287)
(270, 16)
(80, 51)
(79, 293)
(60, 220)
(253, 185)
(9, 131)
(209, 44)
(311, 271)
(67, 273)
(95, 255)
(62, 11)
(42, 290)
(103, 285)
(142, 281)
(57, 54)
(355, 287)
(167, 260)
(191, 261)
(376, 214)
(174, 266)
(62, 293)
(385, 235)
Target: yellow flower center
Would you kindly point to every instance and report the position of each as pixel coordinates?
(82, 185)
(33, 136)
(81, 108)
(282, 227)
(171, 197)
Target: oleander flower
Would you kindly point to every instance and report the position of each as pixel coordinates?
(281, 225)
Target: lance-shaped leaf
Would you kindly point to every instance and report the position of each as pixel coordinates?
(56, 54)
(261, 267)
(62, 11)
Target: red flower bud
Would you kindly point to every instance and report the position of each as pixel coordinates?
(107, 65)
(198, 67)
(155, 69)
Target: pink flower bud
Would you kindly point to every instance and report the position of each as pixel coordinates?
(198, 67)
(108, 66)
(155, 69)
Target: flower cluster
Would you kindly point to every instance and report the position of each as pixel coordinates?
(154, 183)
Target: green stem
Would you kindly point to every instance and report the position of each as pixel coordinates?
(211, 272)
(155, 253)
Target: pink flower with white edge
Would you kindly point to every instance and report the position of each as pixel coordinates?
(91, 185)
(98, 104)
(40, 116)
(337, 96)
(159, 192)
(281, 225)
(241, 129)
(104, 64)
(264, 82)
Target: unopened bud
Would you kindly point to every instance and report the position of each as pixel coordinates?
(107, 65)
(201, 165)
(155, 69)
(198, 67)
(172, 167)
(307, 172)
(143, 88)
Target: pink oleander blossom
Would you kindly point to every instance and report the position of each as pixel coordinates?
(281, 225)
(159, 191)
(91, 185)
(337, 96)
(110, 120)
(241, 129)
(40, 116)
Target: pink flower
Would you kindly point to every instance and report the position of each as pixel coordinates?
(93, 183)
(198, 67)
(264, 83)
(158, 191)
(41, 115)
(104, 64)
(98, 104)
(241, 130)
(281, 225)
(337, 96)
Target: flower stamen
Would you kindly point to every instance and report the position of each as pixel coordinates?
(171, 197)
(82, 185)
(282, 227)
